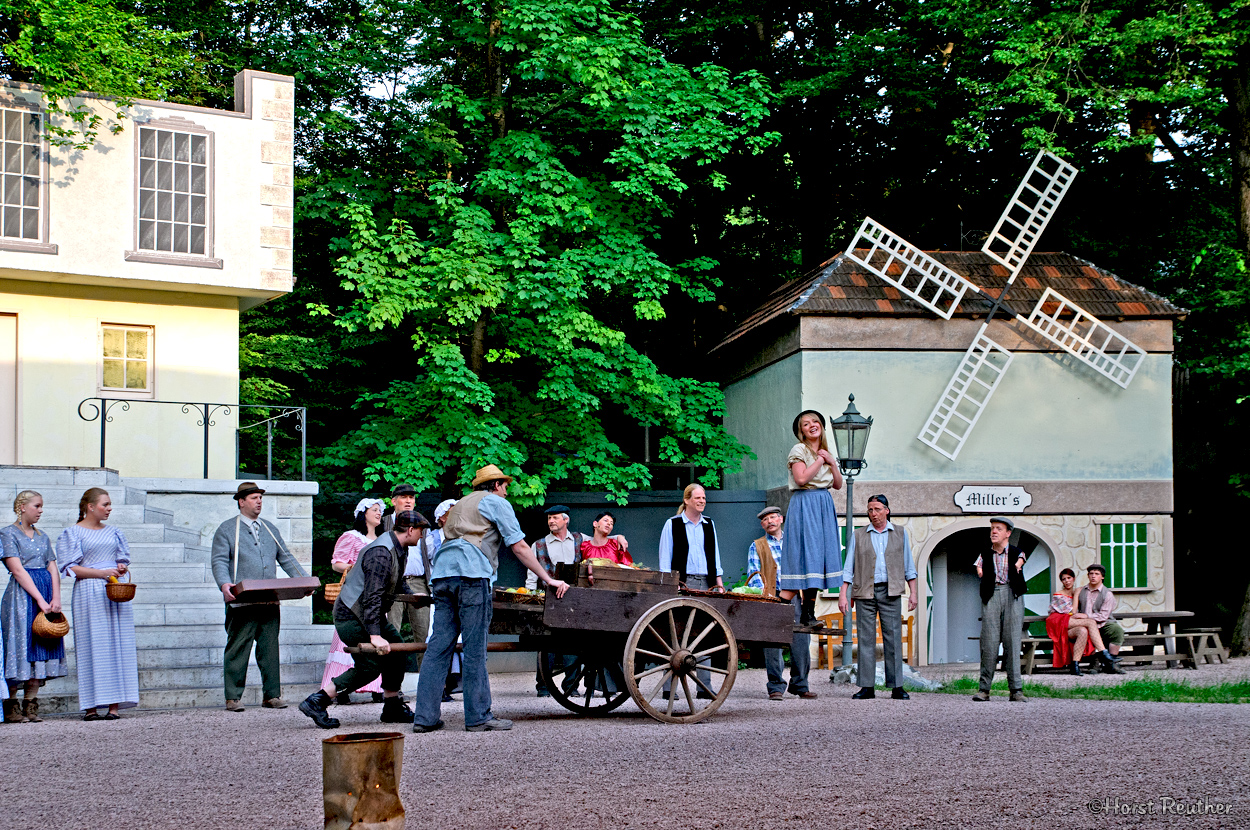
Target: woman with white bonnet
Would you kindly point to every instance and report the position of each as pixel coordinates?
(368, 524)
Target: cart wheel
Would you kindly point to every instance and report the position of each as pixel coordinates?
(579, 674)
(688, 645)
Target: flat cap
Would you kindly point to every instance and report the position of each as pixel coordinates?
(1004, 521)
(556, 508)
(768, 510)
(404, 490)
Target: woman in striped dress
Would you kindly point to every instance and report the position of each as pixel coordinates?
(104, 631)
(34, 586)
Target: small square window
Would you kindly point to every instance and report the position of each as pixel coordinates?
(1123, 552)
(126, 359)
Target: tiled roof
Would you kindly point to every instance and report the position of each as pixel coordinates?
(842, 286)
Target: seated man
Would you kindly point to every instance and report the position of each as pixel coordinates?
(360, 616)
(1097, 603)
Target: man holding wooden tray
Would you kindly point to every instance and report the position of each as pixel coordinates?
(248, 547)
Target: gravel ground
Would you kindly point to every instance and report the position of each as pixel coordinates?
(936, 761)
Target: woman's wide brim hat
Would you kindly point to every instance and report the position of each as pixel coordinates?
(490, 473)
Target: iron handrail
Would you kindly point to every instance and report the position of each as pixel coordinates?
(205, 413)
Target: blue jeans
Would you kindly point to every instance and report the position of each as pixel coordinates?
(462, 608)
(800, 660)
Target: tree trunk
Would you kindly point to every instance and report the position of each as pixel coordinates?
(1239, 98)
(477, 347)
(1239, 644)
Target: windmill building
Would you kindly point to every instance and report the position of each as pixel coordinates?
(1080, 458)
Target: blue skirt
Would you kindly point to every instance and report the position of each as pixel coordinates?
(811, 550)
(40, 650)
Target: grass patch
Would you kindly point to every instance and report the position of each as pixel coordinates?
(1152, 691)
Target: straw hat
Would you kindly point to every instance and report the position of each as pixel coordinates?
(490, 473)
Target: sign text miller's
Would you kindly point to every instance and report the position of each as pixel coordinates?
(984, 498)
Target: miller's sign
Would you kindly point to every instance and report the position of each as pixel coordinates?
(973, 498)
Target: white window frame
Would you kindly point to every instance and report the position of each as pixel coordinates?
(131, 394)
(40, 244)
(1115, 576)
(177, 124)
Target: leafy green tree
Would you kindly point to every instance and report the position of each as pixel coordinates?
(551, 143)
(68, 46)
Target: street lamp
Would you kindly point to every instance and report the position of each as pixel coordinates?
(850, 435)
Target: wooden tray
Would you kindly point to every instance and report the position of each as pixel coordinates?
(609, 578)
(261, 591)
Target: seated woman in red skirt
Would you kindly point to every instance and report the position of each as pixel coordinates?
(603, 545)
(1062, 628)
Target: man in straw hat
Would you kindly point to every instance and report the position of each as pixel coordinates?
(464, 571)
(248, 547)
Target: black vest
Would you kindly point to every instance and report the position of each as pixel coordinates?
(1014, 578)
(681, 546)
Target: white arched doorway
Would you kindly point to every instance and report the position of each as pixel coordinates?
(949, 611)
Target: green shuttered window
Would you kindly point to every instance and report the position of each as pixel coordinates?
(1123, 554)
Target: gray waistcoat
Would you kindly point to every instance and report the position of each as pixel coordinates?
(866, 563)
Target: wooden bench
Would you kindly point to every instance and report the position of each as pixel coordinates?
(1207, 644)
(825, 643)
(1137, 648)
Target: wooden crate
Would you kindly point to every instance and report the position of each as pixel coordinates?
(625, 579)
(267, 591)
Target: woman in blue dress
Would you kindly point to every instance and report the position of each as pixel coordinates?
(104, 631)
(34, 586)
(811, 550)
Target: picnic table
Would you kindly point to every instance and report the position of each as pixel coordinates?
(1141, 647)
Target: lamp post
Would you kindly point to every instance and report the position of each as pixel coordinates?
(850, 434)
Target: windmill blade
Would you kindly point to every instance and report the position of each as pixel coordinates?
(915, 273)
(1085, 337)
(966, 395)
(1029, 211)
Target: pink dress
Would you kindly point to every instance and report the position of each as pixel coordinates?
(346, 549)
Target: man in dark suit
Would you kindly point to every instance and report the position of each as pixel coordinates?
(249, 547)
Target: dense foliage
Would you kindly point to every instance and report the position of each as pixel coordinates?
(522, 225)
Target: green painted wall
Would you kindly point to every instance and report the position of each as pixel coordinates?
(1050, 419)
(758, 412)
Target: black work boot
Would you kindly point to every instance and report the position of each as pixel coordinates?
(1110, 664)
(1075, 667)
(394, 710)
(315, 707)
(809, 617)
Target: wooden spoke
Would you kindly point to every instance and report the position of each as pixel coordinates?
(712, 650)
(685, 687)
(660, 640)
(658, 686)
(663, 657)
(702, 634)
(651, 671)
(685, 635)
(702, 685)
(714, 670)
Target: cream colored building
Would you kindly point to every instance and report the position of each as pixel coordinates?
(123, 271)
(1089, 462)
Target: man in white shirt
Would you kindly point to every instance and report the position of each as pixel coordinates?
(559, 547)
(688, 545)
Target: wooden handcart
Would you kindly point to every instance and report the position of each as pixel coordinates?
(623, 633)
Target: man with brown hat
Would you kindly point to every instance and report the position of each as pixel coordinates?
(464, 570)
(762, 558)
(248, 547)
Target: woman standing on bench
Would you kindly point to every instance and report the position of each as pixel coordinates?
(1062, 625)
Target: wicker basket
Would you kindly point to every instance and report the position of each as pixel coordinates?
(120, 591)
(50, 626)
(332, 589)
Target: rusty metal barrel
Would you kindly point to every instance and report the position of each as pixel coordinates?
(360, 781)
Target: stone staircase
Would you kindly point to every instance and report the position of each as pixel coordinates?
(179, 616)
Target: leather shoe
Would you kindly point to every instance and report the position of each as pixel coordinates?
(543, 693)
(982, 695)
(900, 693)
(809, 695)
(234, 706)
(1018, 697)
(314, 706)
(274, 703)
(394, 710)
(866, 693)
(492, 725)
(776, 696)
(434, 727)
